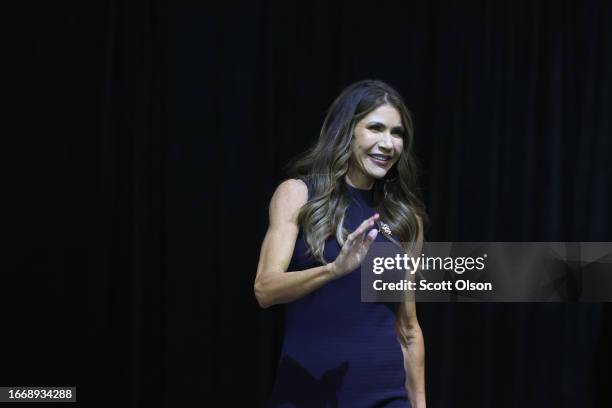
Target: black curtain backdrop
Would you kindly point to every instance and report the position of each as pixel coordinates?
(150, 139)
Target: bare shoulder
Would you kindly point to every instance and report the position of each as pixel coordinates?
(287, 200)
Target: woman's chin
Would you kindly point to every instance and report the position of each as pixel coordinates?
(377, 174)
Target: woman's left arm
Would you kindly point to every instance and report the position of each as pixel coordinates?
(410, 337)
(413, 349)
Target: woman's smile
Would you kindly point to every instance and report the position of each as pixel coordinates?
(380, 159)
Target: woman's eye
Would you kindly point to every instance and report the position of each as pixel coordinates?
(375, 128)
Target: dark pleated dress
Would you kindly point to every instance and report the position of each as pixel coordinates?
(338, 351)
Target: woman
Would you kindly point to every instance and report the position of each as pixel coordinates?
(337, 350)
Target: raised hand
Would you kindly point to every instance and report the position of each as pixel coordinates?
(355, 248)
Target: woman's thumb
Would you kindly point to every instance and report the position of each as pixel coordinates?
(372, 234)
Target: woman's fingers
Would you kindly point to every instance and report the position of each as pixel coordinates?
(367, 224)
(363, 227)
(372, 235)
(368, 239)
(357, 245)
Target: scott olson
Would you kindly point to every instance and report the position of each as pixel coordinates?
(435, 286)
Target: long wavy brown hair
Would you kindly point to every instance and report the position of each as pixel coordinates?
(326, 164)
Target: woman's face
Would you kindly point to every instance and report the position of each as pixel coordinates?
(377, 144)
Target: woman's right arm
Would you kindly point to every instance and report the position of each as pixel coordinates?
(273, 285)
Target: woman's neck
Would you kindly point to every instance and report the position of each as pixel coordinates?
(359, 181)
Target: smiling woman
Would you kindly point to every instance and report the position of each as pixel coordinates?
(337, 350)
(377, 147)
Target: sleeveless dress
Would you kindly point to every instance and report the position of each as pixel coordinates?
(338, 351)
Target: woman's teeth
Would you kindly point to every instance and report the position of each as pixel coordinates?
(379, 158)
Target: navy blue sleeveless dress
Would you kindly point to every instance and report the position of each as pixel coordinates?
(338, 351)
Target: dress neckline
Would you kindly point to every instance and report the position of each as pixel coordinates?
(360, 189)
(365, 195)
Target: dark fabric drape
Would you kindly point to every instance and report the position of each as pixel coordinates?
(150, 139)
(89, 304)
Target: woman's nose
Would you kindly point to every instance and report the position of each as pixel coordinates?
(386, 141)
